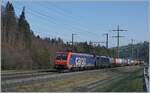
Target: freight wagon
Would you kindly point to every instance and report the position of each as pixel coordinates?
(117, 62)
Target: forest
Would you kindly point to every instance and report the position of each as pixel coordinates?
(22, 49)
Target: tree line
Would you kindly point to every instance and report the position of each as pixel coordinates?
(138, 51)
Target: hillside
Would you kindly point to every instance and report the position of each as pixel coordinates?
(21, 49)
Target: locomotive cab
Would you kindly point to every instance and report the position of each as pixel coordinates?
(61, 60)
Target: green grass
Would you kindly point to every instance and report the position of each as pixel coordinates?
(132, 82)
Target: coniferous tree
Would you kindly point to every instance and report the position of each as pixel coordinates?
(9, 24)
(24, 28)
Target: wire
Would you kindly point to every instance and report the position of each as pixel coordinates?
(74, 26)
(42, 15)
(33, 13)
(79, 27)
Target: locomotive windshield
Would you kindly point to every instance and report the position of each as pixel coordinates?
(61, 56)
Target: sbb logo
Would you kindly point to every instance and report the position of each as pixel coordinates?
(80, 62)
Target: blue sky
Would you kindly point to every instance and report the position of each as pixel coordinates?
(90, 20)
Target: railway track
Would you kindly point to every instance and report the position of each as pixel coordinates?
(10, 82)
(26, 75)
(5, 77)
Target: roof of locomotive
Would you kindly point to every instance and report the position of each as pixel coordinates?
(84, 54)
(103, 56)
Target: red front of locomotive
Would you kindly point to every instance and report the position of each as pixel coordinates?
(61, 60)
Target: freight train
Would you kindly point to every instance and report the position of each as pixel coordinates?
(82, 61)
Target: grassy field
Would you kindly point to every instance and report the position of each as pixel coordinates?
(131, 82)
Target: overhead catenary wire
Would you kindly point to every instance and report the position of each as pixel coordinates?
(53, 21)
(42, 16)
(31, 10)
(70, 14)
(77, 27)
(71, 29)
(43, 32)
